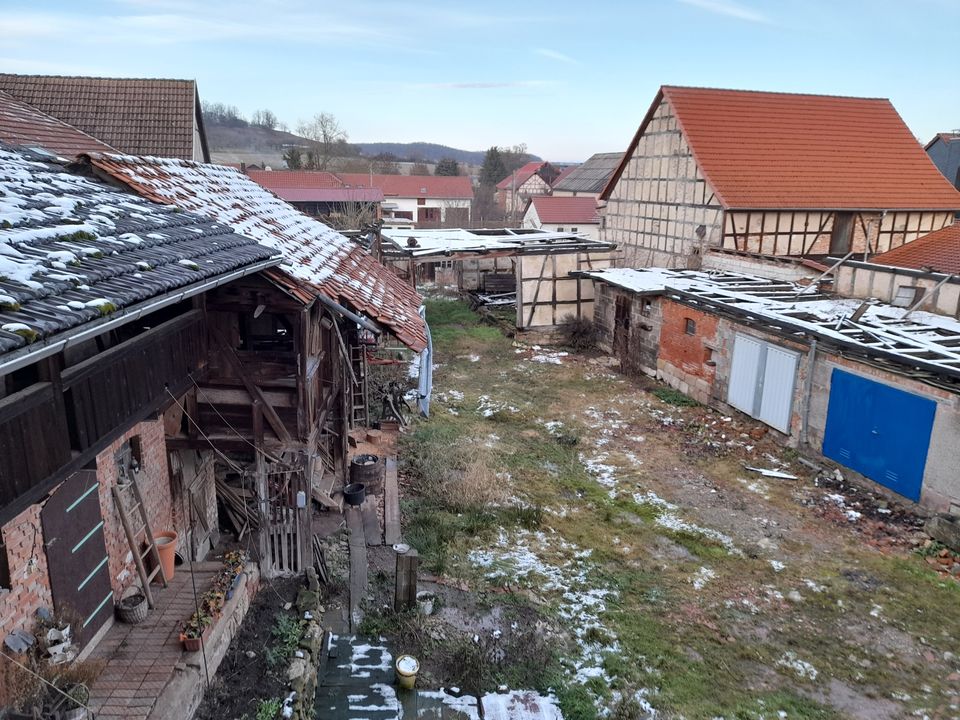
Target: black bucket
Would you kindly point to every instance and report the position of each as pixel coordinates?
(367, 469)
(354, 494)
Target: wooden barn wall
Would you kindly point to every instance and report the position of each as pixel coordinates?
(809, 232)
(545, 292)
(660, 201)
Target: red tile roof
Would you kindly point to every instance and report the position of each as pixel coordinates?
(330, 195)
(763, 150)
(939, 251)
(22, 124)
(551, 209)
(312, 179)
(336, 266)
(457, 187)
(149, 116)
(520, 176)
(949, 137)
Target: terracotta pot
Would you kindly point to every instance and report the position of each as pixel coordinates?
(167, 549)
(193, 644)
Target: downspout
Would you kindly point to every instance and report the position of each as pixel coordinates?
(361, 321)
(808, 390)
(425, 384)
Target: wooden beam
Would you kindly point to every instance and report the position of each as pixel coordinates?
(255, 393)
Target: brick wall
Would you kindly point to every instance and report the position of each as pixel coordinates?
(196, 470)
(683, 358)
(23, 537)
(154, 482)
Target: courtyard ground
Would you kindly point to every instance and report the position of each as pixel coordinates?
(597, 537)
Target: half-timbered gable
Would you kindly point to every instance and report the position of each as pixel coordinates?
(770, 174)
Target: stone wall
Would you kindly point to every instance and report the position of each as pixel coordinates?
(661, 201)
(642, 337)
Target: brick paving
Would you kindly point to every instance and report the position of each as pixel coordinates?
(141, 659)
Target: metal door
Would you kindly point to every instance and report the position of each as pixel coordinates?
(879, 431)
(743, 373)
(776, 399)
(76, 554)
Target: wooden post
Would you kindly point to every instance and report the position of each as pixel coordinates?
(405, 596)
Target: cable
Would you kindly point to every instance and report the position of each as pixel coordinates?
(193, 578)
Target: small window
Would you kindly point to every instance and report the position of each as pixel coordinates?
(559, 229)
(906, 295)
(573, 229)
(129, 459)
(645, 309)
(689, 326)
(421, 201)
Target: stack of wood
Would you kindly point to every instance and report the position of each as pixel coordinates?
(240, 505)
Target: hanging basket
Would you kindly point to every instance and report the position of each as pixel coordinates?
(132, 608)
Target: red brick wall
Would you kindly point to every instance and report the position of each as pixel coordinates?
(23, 537)
(154, 482)
(682, 359)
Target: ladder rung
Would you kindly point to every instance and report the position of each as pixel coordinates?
(146, 552)
(153, 574)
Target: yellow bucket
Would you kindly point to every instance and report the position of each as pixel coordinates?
(407, 668)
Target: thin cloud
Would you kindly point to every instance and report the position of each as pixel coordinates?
(729, 9)
(556, 55)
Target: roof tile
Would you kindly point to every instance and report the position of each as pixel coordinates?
(558, 209)
(939, 251)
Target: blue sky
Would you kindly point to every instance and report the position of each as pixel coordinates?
(566, 78)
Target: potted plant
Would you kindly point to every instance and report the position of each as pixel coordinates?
(213, 601)
(195, 631)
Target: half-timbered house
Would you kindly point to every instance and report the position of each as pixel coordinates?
(726, 178)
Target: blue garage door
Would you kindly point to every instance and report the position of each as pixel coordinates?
(879, 431)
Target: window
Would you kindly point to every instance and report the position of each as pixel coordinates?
(573, 229)
(129, 459)
(689, 326)
(906, 295)
(421, 201)
(645, 309)
(559, 229)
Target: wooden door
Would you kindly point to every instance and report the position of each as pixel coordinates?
(621, 326)
(77, 555)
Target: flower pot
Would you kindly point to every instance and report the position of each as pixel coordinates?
(167, 550)
(193, 644)
(407, 667)
(354, 494)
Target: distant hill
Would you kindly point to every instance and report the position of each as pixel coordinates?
(252, 144)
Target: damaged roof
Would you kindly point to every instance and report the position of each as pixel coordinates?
(938, 251)
(769, 150)
(921, 344)
(590, 176)
(74, 250)
(507, 241)
(22, 124)
(144, 116)
(338, 267)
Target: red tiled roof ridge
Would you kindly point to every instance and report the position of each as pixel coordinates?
(769, 92)
(98, 77)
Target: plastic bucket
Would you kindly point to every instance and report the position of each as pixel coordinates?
(407, 667)
(167, 549)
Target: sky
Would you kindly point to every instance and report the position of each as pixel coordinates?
(567, 78)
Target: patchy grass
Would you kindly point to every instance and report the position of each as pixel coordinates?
(701, 629)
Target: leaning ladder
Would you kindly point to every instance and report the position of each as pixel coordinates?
(120, 491)
(359, 399)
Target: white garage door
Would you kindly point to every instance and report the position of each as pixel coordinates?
(762, 379)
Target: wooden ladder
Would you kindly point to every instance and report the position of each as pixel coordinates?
(359, 399)
(120, 491)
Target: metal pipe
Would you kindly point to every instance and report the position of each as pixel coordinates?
(350, 315)
(17, 359)
(808, 390)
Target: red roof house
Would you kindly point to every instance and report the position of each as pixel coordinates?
(23, 124)
(550, 210)
(939, 252)
(771, 173)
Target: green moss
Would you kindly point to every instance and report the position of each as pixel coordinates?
(9, 306)
(674, 397)
(28, 334)
(78, 236)
(106, 308)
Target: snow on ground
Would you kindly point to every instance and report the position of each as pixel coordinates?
(803, 669)
(488, 407)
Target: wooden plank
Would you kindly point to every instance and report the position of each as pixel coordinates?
(371, 521)
(358, 564)
(391, 504)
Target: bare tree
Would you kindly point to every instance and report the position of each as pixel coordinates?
(325, 130)
(420, 168)
(265, 119)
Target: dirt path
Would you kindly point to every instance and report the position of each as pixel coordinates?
(682, 583)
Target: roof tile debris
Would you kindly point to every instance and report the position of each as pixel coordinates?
(922, 344)
(938, 251)
(23, 124)
(581, 210)
(312, 251)
(767, 150)
(73, 250)
(590, 176)
(147, 116)
(505, 241)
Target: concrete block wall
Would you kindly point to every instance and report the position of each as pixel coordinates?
(882, 282)
(154, 483)
(30, 581)
(660, 201)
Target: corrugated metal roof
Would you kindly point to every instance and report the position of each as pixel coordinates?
(312, 251)
(939, 251)
(73, 250)
(149, 116)
(591, 176)
(766, 150)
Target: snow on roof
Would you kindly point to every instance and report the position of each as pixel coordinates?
(421, 243)
(312, 251)
(73, 250)
(918, 340)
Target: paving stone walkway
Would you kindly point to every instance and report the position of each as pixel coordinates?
(139, 660)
